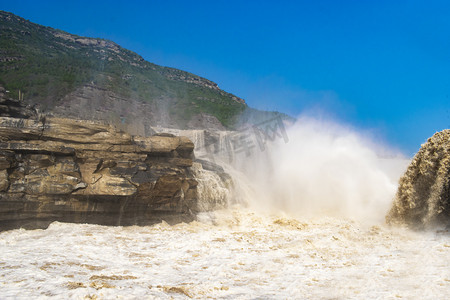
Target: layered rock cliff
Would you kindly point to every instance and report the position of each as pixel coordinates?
(58, 169)
(423, 195)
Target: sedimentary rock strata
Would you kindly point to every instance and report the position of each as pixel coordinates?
(57, 169)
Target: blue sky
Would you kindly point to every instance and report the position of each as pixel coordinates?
(381, 66)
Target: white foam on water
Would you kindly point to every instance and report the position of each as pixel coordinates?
(232, 254)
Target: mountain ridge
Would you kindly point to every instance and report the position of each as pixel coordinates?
(56, 71)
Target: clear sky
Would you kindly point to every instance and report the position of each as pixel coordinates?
(381, 66)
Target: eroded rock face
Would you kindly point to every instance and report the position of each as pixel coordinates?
(56, 169)
(136, 117)
(423, 195)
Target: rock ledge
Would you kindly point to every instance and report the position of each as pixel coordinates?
(57, 169)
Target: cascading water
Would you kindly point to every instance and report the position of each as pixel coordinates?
(324, 169)
(197, 137)
(423, 196)
(215, 188)
(215, 155)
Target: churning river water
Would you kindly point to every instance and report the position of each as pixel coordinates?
(232, 254)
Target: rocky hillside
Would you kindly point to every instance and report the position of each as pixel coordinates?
(92, 78)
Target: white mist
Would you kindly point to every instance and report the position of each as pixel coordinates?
(324, 169)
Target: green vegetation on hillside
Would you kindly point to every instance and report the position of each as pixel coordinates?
(46, 64)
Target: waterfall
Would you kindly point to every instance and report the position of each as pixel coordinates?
(423, 195)
(196, 136)
(215, 188)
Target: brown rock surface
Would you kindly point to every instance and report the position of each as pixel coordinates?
(127, 113)
(57, 169)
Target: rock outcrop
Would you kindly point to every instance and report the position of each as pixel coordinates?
(423, 196)
(135, 117)
(58, 169)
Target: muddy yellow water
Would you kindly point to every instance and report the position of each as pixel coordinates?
(234, 254)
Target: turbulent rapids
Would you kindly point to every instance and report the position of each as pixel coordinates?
(423, 196)
(300, 220)
(233, 254)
